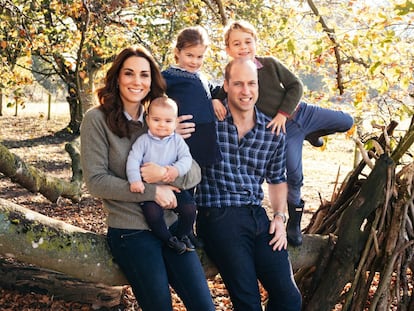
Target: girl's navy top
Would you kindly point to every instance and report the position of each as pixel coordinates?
(193, 93)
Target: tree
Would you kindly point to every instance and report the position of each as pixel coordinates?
(342, 42)
(74, 39)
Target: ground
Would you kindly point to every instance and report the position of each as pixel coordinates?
(31, 136)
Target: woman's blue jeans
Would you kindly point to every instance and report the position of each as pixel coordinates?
(308, 119)
(150, 267)
(237, 241)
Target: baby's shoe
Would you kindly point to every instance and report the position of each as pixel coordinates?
(189, 246)
(177, 245)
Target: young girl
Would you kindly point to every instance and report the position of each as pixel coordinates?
(280, 92)
(192, 92)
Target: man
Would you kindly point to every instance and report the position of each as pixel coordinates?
(237, 233)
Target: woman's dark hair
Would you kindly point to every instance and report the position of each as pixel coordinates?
(109, 97)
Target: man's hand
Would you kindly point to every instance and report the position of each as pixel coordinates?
(278, 229)
(185, 128)
(278, 124)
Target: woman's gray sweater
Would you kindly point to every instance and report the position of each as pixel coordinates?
(103, 160)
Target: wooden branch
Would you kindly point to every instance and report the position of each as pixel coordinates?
(33, 238)
(73, 149)
(364, 153)
(322, 219)
(33, 279)
(405, 144)
(35, 180)
(351, 239)
(331, 35)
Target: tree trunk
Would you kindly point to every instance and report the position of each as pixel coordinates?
(36, 181)
(372, 217)
(87, 92)
(32, 279)
(1, 103)
(48, 243)
(341, 266)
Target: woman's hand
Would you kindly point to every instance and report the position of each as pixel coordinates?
(185, 128)
(152, 173)
(278, 124)
(165, 197)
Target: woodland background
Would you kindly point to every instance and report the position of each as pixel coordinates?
(352, 55)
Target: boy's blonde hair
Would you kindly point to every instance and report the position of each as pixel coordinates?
(239, 25)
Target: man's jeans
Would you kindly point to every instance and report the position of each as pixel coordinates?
(237, 241)
(150, 266)
(308, 119)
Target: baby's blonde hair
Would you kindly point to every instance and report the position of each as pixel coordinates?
(164, 102)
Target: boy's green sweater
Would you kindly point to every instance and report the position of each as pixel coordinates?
(279, 88)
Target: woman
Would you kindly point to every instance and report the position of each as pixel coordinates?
(107, 133)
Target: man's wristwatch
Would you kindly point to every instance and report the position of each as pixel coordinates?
(281, 215)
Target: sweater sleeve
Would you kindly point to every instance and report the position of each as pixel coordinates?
(292, 85)
(134, 160)
(103, 172)
(184, 159)
(189, 180)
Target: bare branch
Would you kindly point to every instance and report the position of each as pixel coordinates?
(331, 35)
(221, 11)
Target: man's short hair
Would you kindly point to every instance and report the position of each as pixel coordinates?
(231, 63)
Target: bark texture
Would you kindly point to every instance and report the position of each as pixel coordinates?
(43, 281)
(369, 264)
(37, 181)
(48, 243)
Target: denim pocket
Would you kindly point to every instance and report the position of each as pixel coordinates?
(118, 238)
(130, 234)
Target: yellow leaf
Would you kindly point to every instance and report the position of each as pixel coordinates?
(360, 96)
(405, 82)
(3, 44)
(351, 131)
(318, 27)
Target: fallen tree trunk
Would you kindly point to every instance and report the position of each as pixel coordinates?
(42, 281)
(53, 244)
(37, 181)
(48, 243)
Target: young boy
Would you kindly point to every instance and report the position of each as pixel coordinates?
(280, 92)
(164, 147)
